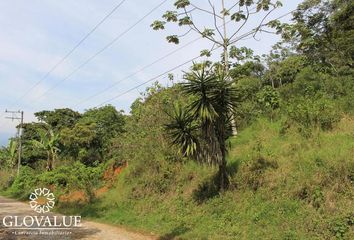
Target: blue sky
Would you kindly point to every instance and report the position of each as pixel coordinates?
(36, 34)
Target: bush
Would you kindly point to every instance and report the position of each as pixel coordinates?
(61, 180)
(247, 106)
(254, 178)
(268, 100)
(245, 113)
(73, 177)
(340, 226)
(252, 175)
(6, 179)
(24, 183)
(309, 113)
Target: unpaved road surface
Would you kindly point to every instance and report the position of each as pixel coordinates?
(89, 230)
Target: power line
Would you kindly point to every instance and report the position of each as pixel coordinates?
(239, 38)
(102, 49)
(151, 79)
(180, 65)
(136, 72)
(73, 49)
(136, 87)
(158, 60)
(69, 53)
(154, 78)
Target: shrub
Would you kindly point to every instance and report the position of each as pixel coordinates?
(269, 100)
(63, 179)
(340, 226)
(309, 113)
(6, 179)
(24, 183)
(252, 175)
(247, 107)
(73, 177)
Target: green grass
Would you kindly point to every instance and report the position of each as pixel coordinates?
(302, 188)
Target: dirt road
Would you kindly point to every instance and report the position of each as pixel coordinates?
(89, 230)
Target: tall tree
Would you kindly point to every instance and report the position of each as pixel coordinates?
(31, 153)
(89, 140)
(239, 12)
(323, 31)
(8, 154)
(59, 118)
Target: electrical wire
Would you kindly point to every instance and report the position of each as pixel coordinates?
(101, 50)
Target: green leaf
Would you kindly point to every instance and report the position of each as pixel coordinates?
(208, 32)
(170, 76)
(238, 16)
(242, 53)
(278, 4)
(181, 3)
(249, 2)
(264, 4)
(158, 25)
(225, 12)
(205, 52)
(185, 21)
(274, 23)
(170, 16)
(173, 39)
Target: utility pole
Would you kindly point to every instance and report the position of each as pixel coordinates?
(19, 134)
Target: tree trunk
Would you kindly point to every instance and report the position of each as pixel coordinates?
(223, 176)
(53, 159)
(226, 42)
(49, 162)
(226, 63)
(271, 79)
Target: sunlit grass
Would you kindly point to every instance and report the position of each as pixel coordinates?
(304, 190)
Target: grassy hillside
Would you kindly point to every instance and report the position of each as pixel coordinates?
(284, 186)
(163, 168)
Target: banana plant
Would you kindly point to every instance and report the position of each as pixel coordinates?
(8, 154)
(12, 149)
(48, 142)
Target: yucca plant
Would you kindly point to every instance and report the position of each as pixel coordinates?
(183, 132)
(203, 127)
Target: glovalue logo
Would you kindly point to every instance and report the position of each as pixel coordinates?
(41, 201)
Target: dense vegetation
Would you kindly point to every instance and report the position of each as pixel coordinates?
(172, 166)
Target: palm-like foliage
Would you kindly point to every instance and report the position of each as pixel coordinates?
(183, 132)
(200, 85)
(8, 154)
(12, 148)
(210, 112)
(48, 141)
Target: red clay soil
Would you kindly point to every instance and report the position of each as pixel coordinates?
(75, 196)
(99, 192)
(111, 173)
(79, 196)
